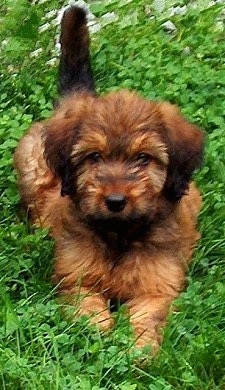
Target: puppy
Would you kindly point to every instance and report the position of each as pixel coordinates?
(110, 176)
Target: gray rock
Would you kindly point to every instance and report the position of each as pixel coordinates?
(178, 10)
(169, 26)
(187, 51)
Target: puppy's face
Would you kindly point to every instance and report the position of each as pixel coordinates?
(120, 171)
(119, 155)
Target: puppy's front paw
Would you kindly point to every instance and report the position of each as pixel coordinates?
(91, 305)
(148, 317)
(102, 320)
(148, 338)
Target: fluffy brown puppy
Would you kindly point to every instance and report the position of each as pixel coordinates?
(110, 176)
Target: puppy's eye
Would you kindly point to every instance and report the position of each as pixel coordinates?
(143, 158)
(94, 157)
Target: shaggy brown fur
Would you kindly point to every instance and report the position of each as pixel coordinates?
(110, 176)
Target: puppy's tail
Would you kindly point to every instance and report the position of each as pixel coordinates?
(75, 71)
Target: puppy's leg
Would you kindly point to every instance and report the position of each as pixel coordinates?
(88, 303)
(152, 284)
(78, 271)
(75, 71)
(147, 316)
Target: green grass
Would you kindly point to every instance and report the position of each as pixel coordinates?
(39, 349)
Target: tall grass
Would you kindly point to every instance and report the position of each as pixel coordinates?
(39, 349)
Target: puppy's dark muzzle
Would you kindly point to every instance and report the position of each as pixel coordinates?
(116, 202)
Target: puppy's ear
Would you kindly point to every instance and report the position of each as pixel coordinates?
(60, 136)
(185, 148)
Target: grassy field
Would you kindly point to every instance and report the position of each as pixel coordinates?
(39, 349)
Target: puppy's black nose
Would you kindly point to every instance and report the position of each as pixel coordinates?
(116, 202)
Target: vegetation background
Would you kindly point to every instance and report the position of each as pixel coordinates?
(131, 49)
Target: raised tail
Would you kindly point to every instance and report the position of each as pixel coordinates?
(75, 71)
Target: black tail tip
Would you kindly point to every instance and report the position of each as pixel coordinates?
(73, 18)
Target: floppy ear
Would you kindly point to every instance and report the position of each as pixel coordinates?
(60, 136)
(185, 148)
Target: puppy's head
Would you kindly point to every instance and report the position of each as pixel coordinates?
(120, 156)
